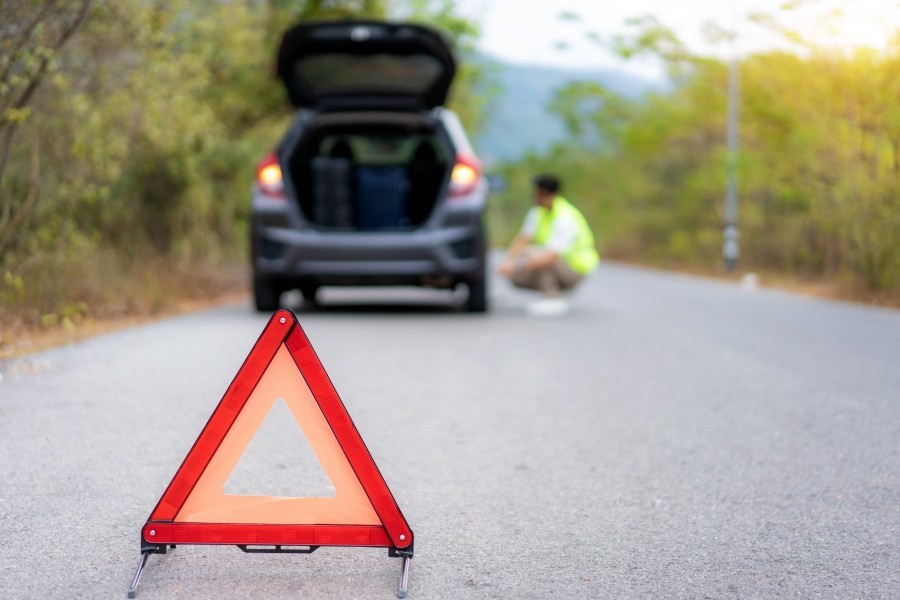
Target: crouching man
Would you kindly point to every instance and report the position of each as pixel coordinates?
(553, 251)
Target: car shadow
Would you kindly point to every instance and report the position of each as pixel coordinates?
(364, 308)
(379, 302)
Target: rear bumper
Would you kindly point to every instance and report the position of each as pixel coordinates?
(357, 258)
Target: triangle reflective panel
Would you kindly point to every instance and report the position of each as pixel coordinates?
(282, 371)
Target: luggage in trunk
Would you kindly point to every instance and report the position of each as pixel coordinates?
(332, 194)
(381, 198)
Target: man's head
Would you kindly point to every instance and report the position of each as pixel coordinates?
(546, 188)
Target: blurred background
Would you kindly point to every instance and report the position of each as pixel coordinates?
(129, 131)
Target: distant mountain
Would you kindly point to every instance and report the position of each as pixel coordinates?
(518, 120)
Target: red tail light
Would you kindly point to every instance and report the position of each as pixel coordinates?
(268, 176)
(465, 175)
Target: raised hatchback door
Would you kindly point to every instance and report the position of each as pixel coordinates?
(365, 64)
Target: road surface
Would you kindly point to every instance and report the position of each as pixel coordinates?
(671, 437)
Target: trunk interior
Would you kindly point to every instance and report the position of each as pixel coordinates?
(370, 174)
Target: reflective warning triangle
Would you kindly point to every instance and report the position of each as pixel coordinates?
(194, 508)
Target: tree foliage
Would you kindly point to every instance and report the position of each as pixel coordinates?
(129, 131)
(819, 166)
(31, 38)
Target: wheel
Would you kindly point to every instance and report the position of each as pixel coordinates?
(266, 294)
(477, 300)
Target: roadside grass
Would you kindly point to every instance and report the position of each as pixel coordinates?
(74, 304)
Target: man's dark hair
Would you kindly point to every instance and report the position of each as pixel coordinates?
(547, 183)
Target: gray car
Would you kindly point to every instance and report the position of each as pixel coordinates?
(375, 183)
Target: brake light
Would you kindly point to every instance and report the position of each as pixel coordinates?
(268, 176)
(465, 175)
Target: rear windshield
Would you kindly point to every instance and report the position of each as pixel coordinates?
(389, 73)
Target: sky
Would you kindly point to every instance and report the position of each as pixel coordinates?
(527, 31)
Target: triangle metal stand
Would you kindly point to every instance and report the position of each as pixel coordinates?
(406, 555)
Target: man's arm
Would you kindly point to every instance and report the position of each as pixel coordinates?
(518, 245)
(516, 248)
(540, 260)
(544, 259)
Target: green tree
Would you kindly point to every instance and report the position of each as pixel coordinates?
(819, 174)
(31, 38)
(126, 180)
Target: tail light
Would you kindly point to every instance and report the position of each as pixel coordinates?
(268, 176)
(465, 175)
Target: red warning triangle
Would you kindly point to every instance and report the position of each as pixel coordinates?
(281, 367)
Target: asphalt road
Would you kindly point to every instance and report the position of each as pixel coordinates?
(671, 437)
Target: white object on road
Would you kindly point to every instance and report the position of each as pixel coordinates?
(548, 307)
(749, 282)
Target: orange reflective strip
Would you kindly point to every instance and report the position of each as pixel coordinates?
(353, 446)
(207, 503)
(223, 417)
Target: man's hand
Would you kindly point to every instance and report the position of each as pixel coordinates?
(507, 268)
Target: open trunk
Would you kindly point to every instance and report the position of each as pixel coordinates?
(365, 64)
(370, 172)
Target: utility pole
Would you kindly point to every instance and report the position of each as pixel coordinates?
(731, 247)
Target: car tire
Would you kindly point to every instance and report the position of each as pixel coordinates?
(477, 300)
(266, 295)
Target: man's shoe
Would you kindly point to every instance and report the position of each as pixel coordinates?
(548, 307)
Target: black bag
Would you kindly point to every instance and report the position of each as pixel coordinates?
(332, 194)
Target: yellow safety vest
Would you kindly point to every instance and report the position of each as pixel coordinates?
(582, 257)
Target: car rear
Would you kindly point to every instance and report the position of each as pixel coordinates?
(375, 183)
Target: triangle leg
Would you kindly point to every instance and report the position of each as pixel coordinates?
(404, 576)
(132, 591)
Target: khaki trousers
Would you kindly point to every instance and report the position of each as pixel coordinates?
(551, 280)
